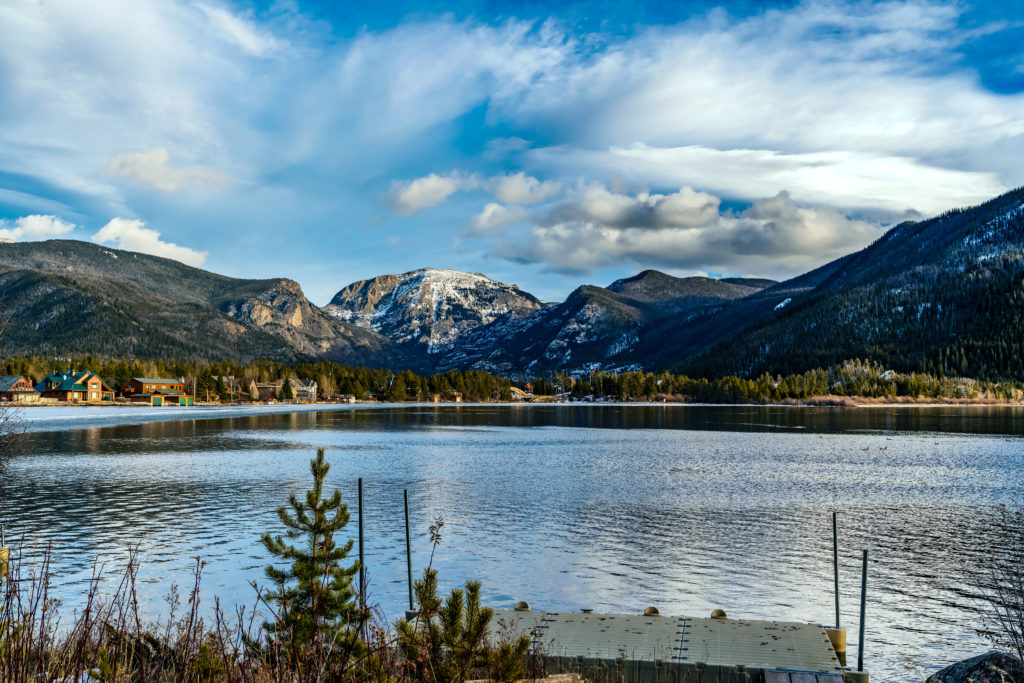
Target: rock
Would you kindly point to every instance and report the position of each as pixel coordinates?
(991, 667)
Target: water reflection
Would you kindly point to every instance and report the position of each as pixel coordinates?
(604, 507)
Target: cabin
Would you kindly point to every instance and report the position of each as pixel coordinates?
(156, 391)
(249, 386)
(303, 391)
(75, 386)
(234, 386)
(17, 389)
(266, 391)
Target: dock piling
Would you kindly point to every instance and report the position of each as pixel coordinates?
(863, 605)
(5, 553)
(408, 548)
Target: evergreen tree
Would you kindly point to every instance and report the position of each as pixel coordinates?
(286, 390)
(316, 605)
(397, 392)
(220, 388)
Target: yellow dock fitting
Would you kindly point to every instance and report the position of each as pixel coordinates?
(837, 636)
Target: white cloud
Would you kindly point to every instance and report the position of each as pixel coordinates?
(823, 76)
(247, 36)
(685, 230)
(494, 216)
(595, 203)
(35, 227)
(500, 148)
(853, 106)
(847, 179)
(519, 188)
(133, 235)
(412, 196)
(150, 168)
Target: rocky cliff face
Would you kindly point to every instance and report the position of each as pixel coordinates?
(430, 309)
(943, 295)
(595, 327)
(71, 297)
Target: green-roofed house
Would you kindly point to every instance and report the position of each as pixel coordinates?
(17, 389)
(86, 387)
(156, 391)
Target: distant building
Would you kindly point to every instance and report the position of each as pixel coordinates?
(75, 386)
(17, 389)
(265, 391)
(156, 391)
(303, 391)
(235, 386)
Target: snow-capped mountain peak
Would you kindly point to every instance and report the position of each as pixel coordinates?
(430, 306)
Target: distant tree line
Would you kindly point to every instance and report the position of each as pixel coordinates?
(860, 378)
(852, 378)
(333, 379)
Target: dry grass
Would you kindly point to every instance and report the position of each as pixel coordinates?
(109, 640)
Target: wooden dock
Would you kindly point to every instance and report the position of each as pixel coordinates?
(650, 649)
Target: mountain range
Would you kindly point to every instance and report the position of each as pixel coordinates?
(941, 295)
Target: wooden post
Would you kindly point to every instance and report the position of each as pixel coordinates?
(408, 548)
(835, 560)
(863, 605)
(362, 566)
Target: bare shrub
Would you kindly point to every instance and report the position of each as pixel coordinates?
(108, 639)
(1005, 595)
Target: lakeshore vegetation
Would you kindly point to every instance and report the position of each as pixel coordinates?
(312, 623)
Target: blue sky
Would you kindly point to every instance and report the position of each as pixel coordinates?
(541, 143)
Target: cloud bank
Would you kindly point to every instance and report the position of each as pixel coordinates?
(684, 230)
(151, 168)
(133, 235)
(862, 111)
(35, 227)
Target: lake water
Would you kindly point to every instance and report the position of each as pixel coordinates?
(611, 508)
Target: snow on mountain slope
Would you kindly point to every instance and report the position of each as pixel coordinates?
(432, 307)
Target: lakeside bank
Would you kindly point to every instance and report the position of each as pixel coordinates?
(73, 417)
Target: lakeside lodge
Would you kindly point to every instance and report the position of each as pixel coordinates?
(90, 388)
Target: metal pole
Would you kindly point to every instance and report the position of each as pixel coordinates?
(408, 548)
(863, 605)
(835, 559)
(362, 565)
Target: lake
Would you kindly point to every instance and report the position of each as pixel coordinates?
(604, 507)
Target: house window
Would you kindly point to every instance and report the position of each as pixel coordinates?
(94, 394)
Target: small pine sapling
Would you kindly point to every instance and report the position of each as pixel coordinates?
(317, 615)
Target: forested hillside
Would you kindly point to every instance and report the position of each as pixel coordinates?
(943, 296)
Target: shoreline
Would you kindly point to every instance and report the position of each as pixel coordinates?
(49, 418)
(814, 402)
